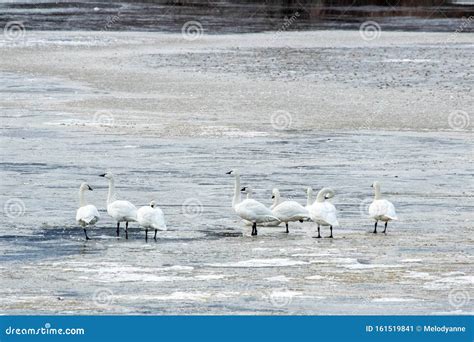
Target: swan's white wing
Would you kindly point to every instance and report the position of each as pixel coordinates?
(122, 211)
(380, 208)
(254, 211)
(88, 214)
(324, 212)
(159, 219)
(390, 210)
(290, 211)
(149, 217)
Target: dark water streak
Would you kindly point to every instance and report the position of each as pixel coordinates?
(231, 16)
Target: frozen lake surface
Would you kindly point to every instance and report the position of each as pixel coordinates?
(156, 125)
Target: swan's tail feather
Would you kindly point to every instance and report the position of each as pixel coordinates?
(88, 219)
(269, 218)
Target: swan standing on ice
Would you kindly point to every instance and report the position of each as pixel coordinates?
(381, 209)
(288, 211)
(323, 212)
(87, 214)
(151, 217)
(120, 210)
(250, 209)
(249, 193)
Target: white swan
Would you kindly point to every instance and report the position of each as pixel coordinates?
(381, 209)
(151, 217)
(249, 193)
(287, 211)
(87, 214)
(249, 209)
(121, 211)
(323, 212)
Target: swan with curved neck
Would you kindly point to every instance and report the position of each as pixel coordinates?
(121, 211)
(286, 210)
(323, 212)
(249, 209)
(381, 209)
(324, 194)
(87, 214)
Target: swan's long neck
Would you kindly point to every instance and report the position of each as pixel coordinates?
(276, 199)
(322, 194)
(111, 195)
(82, 200)
(309, 200)
(236, 200)
(378, 195)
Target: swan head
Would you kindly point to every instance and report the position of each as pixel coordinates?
(246, 190)
(275, 193)
(233, 172)
(152, 204)
(108, 175)
(329, 194)
(375, 185)
(309, 190)
(85, 186)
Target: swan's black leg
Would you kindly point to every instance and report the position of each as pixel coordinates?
(156, 231)
(146, 235)
(319, 232)
(375, 229)
(287, 231)
(85, 232)
(118, 229)
(330, 236)
(385, 227)
(126, 230)
(254, 229)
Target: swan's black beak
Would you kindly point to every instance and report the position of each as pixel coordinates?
(90, 188)
(243, 189)
(102, 175)
(273, 196)
(228, 173)
(371, 185)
